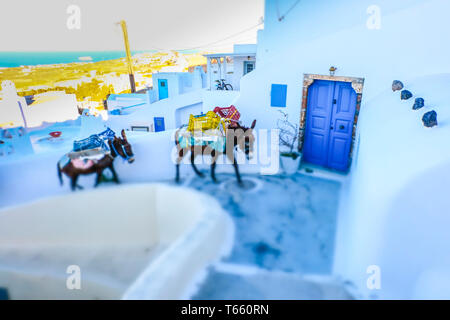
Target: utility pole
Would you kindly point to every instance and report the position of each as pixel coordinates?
(123, 24)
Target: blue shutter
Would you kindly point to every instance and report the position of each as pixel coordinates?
(278, 95)
(159, 124)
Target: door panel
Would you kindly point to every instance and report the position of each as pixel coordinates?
(320, 98)
(319, 122)
(319, 143)
(342, 125)
(337, 155)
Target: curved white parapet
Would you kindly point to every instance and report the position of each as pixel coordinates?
(395, 214)
(143, 241)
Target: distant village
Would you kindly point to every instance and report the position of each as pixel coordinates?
(90, 83)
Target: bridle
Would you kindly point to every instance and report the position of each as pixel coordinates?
(127, 156)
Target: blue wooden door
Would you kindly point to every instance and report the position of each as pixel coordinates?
(163, 89)
(329, 124)
(159, 124)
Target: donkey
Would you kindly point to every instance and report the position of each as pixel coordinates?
(118, 146)
(237, 136)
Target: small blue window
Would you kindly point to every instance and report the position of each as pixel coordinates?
(278, 95)
(159, 124)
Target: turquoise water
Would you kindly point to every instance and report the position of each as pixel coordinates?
(16, 59)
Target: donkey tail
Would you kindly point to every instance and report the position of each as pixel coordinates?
(58, 167)
(177, 141)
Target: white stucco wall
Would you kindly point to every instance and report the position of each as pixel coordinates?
(51, 107)
(143, 238)
(124, 102)
(238, 70)
(395, 212)
(218, 98)
(173, 82)
(166, 108)
(311, 39)
(179, 82)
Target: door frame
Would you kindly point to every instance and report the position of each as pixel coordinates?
(308, 79)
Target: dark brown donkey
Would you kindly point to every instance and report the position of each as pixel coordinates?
(236, 137)
(118, 146)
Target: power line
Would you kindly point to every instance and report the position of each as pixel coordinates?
(281, 18)
(223, 45)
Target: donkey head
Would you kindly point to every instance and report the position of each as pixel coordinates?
(122, 147)
(245, 139)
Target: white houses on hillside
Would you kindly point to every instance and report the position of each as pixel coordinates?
(176, 95)
(33, 111)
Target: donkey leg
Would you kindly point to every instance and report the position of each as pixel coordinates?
(181, 154)
(114, 173)
(73, 182)
(213, 166)
(236, 169)
(213, 172)
(200, 174)
(177, 174)
(98, 178)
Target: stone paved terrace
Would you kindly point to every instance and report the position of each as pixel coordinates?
(285, 228)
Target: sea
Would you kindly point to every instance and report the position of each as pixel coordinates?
(10, 59)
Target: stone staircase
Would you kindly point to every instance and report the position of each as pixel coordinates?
(239, 282)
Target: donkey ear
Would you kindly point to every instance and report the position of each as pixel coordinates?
(123, 135)
(253, 124)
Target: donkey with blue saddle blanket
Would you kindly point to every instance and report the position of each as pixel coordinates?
(75, 166)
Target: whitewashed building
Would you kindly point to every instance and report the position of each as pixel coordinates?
(11, 106)
(167, 105)
(394, 212)
(33, 111)
(231, 66)
(170, 84)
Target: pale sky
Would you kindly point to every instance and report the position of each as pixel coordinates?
(41, 25)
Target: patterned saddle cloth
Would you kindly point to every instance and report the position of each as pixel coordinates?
(94, 141)
(82, 164)
(91, 154)
(216, 141)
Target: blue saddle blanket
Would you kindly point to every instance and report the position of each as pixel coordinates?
(94, 141)
(216, 142)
